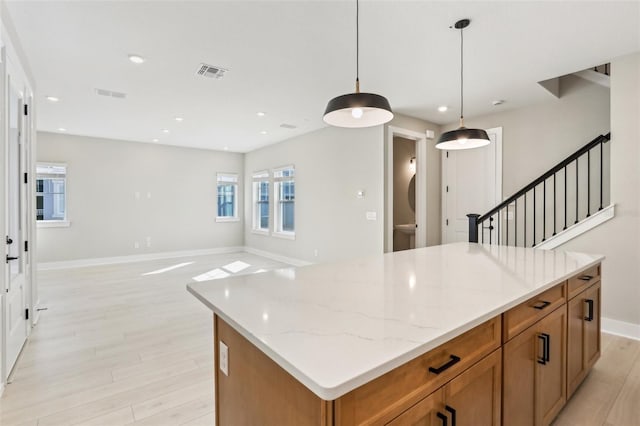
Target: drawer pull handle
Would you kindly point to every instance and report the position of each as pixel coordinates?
(589, 316)
(586, 277)
(442, 417)
(453, 414)
(454, 360)
(541, 305)
(546, 345)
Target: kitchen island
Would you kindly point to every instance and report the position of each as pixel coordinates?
(454, 334)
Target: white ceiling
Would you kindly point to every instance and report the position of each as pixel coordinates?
(289, 58)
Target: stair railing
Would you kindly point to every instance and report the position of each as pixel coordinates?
(498, 233)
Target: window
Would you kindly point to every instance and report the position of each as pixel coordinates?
(285, 195)
(227, 197)
(261, 202)
(51, 194)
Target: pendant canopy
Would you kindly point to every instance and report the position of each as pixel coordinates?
(358, 109)
(462, 137)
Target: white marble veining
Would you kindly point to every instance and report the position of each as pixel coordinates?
(337, 326)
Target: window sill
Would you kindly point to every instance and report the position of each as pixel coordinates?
(260, 232)
(53, 224)
(285, 235)
(227, 219)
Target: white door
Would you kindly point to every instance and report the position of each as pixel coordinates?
(15, 316)
(471, 183)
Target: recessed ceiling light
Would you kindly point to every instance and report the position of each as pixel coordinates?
(498, 102)
(52, 99)
(260, 114)
(179, 119)
(443, 108)
(155, 140)
(264, 132)
(62, 129)
(136, 59)
(165, 130)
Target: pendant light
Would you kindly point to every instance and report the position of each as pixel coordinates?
(358, 109)
(462, 138)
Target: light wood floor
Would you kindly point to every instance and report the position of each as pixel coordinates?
(118, 347)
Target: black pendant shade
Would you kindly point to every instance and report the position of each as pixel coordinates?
(462, 138)
(358, 110)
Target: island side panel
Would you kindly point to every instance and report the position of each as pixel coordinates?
(258, 391)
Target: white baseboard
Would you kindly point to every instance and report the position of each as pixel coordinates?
(97, 261)
(621, 328)
(274, 256)
(579, 228)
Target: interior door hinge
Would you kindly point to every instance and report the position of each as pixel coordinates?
(26, 313)
(447, 154)
(447, 188)
(447, 222)
(26, 109)
(26, 177)
(26, 246)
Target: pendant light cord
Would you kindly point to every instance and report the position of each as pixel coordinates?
(461, 78)
(357, 46)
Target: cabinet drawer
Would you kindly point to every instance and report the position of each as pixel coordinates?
(384, 398)
(583, 280)
(522, 316)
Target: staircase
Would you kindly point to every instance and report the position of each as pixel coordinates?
(565, 201)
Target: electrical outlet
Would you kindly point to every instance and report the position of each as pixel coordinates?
(315, 252)
(224, 358)
(372, 216)
(148, 241)
(136, 245)
(149, 195)
(137, 195)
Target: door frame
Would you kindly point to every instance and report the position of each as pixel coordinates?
(497, 131)
(421, 185)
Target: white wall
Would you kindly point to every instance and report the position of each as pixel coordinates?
(537, 137)
(619, 238)
(106, 218)
(332, 165)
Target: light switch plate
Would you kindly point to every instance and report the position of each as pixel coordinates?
(372, 216)
(224, 358)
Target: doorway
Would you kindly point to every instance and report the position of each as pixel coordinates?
(406, 202)
(471, 183)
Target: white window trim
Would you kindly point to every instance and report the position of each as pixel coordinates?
(287, 235)
(259, 176)
(56, 223)
(53, 223)
(235, 217)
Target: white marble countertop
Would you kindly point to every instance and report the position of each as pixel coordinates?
(336, 326)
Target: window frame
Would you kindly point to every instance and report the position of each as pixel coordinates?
(257, 179)
(52, 223)
(278, 232)
(236, 197)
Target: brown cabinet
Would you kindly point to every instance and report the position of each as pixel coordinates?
(534, 369)
(472, 398)
(583, 347)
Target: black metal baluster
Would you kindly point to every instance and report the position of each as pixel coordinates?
(482, 231)
(588, 183)
(524, 236)
(565, 197)
(490, 228)
(601, 172)
(554, 204)
(533, 243)
(507, 222)
(498, 231)
(544, 210)
(515, 223)
(576, 191)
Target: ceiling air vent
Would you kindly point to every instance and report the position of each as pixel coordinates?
(288, 126)
(211, 71)
(111, 93)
